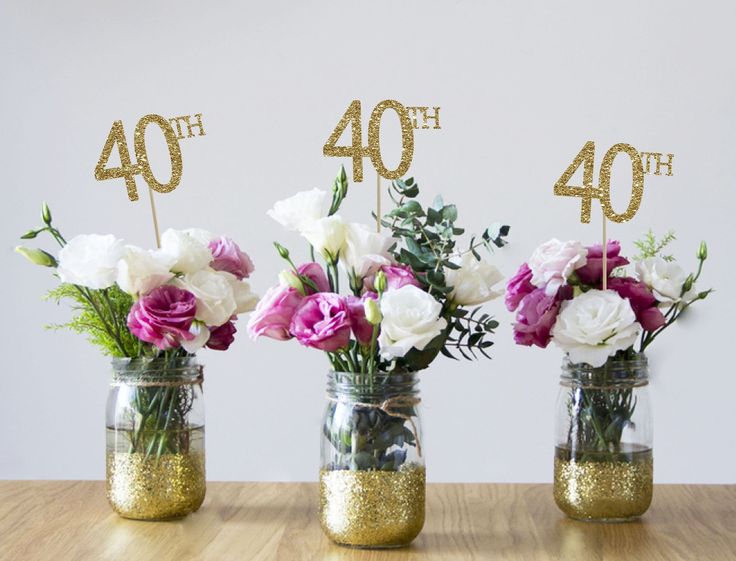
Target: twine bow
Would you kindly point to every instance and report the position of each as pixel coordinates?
(391, 407)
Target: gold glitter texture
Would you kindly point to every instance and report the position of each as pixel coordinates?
(603, 490)
(587, 192)
(373, 509)
(357, 152)
(155, 487)
(142, 155)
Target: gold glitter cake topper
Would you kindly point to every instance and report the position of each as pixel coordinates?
(410, 118)
(128, 170)
(587, 192)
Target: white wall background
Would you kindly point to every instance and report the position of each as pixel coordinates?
(522, 86)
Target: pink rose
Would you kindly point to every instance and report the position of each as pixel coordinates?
(222, 337)
(553, 262)
(591, 273)
(227, 256)
(163, 317)
(322, 321)
(315, 273)
(535, 319)
(396, 277)
(362, 329)
(274, 313)
(519, 286)
(642, 301)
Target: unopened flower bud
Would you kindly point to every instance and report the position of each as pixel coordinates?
(37, 256)
(380, 282)
(29, 235)
(283, 252)
(372, 311)
(703, 251)
(46, 214)
(687, 287)
(290, 279)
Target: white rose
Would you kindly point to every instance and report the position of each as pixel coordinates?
(90, 260)
(665, 279)
(245, 298)
(553, 262)
(299, 212)
(327, 235)
(365, 250)
(142, 270)
(595, 326)
(187, 254)
(411, 319)
(473, 282)
(213, 291)
(201, 336)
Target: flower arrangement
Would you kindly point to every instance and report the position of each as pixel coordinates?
(152, 309)
(559, 296)
(412, 293)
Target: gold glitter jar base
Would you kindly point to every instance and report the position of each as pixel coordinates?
(373, 509)
(155, 487)
(604, 491)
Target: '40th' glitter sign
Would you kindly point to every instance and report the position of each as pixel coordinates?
(641, 164)
(410, 118)
(128, 170)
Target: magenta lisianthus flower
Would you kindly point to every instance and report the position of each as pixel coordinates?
(592, 272)
(222, 337)
(315, 273)
(362, 328)
(322, 321)
(227, 256)
(642, 301)
(519, 286)
(163, 317)
(536, 317)
(274, 313)
(396, 277)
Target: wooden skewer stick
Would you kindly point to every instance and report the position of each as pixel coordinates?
(155, 218)
(378, 203)
(604, 273)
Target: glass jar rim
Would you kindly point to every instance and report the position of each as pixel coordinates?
(156, 368)
(356, 386)
(632, 370)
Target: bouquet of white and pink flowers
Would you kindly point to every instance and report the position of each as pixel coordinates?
(134, 302)
(558, 296)
(412, 292)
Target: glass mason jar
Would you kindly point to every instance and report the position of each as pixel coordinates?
(155, 438)
(603, 453)
(372, 477)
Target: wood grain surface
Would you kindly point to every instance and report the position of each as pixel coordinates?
(59, 521)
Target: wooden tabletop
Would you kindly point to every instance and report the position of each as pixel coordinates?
(59, 521)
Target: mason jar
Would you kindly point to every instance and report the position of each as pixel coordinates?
(603, 469)
(372, 477)
(155, 438)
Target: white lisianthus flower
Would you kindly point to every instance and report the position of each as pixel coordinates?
(665, 279)
(214, 293)
(245, 299)
(201, 336)
(142, 270)
(595, 326)
(299, 212)
(327, 235)
(473, 282)
(188, 255)
(365, 250)
(200, 234)
(553, 262)
(411, 319)
(90, 260)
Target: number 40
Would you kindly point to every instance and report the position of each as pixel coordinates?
(587, 192)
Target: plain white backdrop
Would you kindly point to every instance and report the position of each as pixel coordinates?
(522, 86)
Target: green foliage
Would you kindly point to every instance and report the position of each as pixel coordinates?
(101, 315)
(649, 246)
(472, 334)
